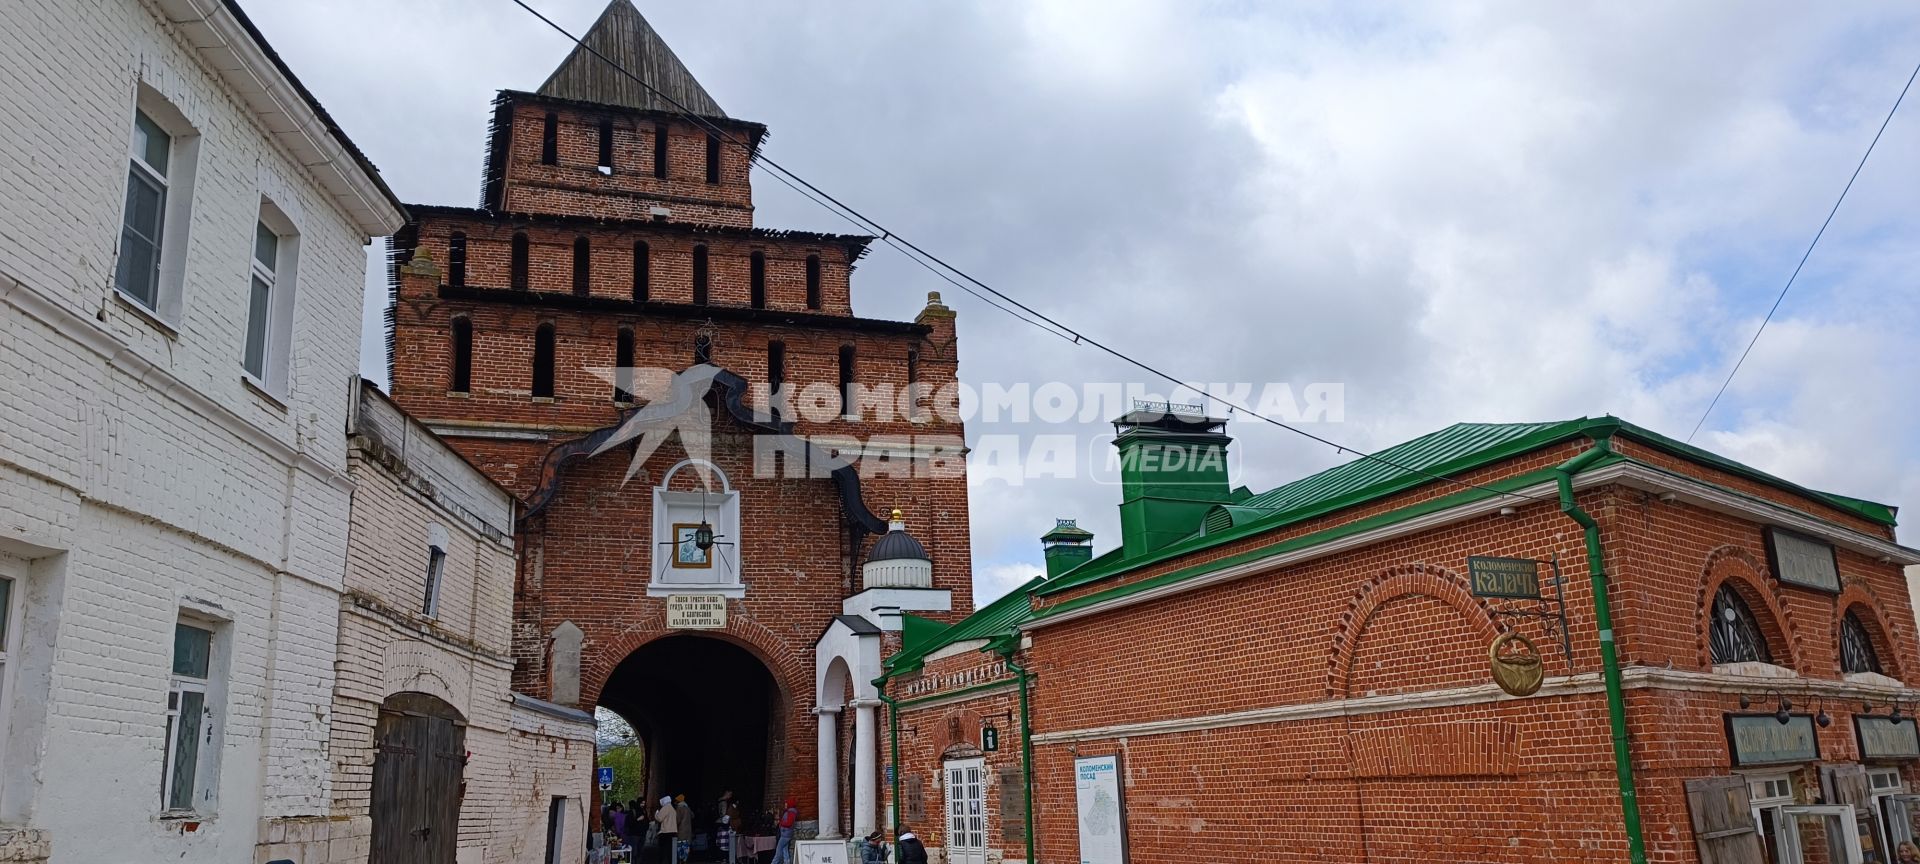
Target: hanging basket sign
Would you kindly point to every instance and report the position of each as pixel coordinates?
(1516, 665)
(1515, 578)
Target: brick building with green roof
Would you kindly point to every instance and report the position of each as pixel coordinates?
(1306, 671)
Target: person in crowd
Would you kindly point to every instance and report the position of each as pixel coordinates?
(733, 821)
(669, 822)
(684, 816)
(789, 816)
(1906, 853)
(912, 851)
(874, 850)
(617, 820)
(723, 827)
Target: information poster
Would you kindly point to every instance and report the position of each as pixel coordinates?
(1103, 829)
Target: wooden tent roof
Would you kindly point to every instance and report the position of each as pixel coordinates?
(624, 37)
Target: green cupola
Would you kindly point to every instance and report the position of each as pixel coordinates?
(1067, 546)
(1173, 469)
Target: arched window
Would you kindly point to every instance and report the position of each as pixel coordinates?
(757, 280)
(623, 366)
(462, 337)
(702, 349)
(550, 140)
(457, 259)
(846, 381)
(1734, 635)
(660, 150)
(1856, 647)
(700, 275)
(582, 265)
(520, 254)
(813, 281)
(543, 362)
(641, 267)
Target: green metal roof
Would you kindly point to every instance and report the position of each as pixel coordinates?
(1455, 449)
(999, 618)
(1432, 453)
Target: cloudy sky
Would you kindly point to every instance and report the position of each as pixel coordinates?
(1475, 212)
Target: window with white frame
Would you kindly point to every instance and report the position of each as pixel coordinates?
(436, 566)
(266, 250)
(192, 714)
(161, 151)
(436, 569)
(270, 299)
(138, 274)
(11, 572)
(1767, 795)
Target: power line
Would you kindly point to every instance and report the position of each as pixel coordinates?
(1803, 258)
(936, 265)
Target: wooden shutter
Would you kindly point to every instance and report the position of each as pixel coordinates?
(1847, 784)
(1723, 828)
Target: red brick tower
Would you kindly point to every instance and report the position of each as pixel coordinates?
(616, 232)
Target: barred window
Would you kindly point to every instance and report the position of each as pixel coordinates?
(1856, 647)
(1735, 635)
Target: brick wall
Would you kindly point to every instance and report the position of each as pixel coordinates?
(576, 186)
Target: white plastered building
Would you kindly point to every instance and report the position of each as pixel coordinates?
(182, 251)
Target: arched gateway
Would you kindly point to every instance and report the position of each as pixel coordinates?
(692, 576)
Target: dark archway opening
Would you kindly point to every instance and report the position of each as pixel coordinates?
(708, 711)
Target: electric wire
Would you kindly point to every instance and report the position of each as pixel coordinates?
(934, 264)
(1804, 256)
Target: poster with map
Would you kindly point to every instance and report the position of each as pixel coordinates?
(1096, 787)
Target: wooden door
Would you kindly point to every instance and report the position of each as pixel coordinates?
(417, 765)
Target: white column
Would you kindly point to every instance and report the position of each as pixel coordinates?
(829, 772)
(865, 799)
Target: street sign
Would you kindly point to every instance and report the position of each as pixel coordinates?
(605, 773)
(889, 775)
(1516, 578)
(989, 739)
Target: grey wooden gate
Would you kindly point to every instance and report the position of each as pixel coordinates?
(420, 751)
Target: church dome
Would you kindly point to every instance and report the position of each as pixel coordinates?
(897, 560)
(897, 544)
